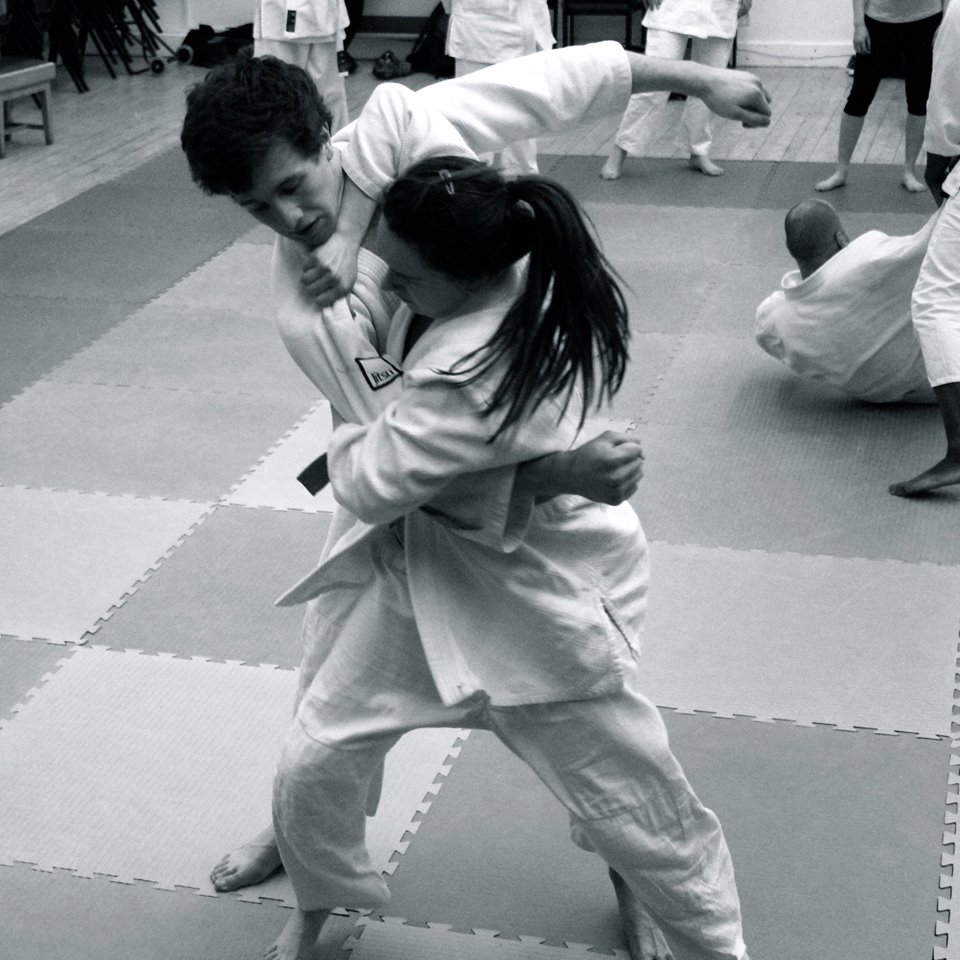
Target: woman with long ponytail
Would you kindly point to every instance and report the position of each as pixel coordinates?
(527, 623)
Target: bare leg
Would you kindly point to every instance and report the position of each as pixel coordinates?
(298, 939)
(947, 471)
(613, 167)
(913, 143)
(701, 162)
(248, 864)
(850, 128)
(644, 939)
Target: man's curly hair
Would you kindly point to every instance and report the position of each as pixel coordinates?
(240, 110)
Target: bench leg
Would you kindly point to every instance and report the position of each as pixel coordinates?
(3, 130)
(45, 111)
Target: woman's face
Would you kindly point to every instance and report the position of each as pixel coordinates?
(425, 290)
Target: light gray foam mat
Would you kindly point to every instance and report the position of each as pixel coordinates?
(40, 332)
(730, 383)
(140, 441)
(814, 639)
(213, 596)
(689, 235)
(662, 297)
(752, 489)
(650, 356)
(138, 723)
(66, 559)
(193, 348)
(815, 820)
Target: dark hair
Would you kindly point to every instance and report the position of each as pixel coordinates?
(240, 110)
(569, 325)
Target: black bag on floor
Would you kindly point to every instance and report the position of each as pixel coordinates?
(204, 47)
(427, 55)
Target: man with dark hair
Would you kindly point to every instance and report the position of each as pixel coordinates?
(843, 316)
(243, 137)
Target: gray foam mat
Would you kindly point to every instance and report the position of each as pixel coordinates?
(813, 839)
(213, 596)
(39, 332)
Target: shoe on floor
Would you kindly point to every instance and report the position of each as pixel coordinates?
(346, 64)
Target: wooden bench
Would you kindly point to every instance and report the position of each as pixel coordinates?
(23, 77)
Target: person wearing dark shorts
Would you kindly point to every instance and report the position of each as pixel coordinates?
(887, 33)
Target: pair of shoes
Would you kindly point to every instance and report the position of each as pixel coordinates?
(346, 64)
(850, 64)
(388, 67)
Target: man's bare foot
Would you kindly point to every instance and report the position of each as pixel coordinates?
(298, 939)
(644, 939)
(704, 165)
(613, 167)
(248, 864)
(836, 179)
(943, 474)
(911, 183)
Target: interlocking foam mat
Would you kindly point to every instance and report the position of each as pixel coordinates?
(68, 558)
(213, 596)
(786, 583)
(171, 762)
(815, 819)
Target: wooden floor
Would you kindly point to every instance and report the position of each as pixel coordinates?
(120, 123)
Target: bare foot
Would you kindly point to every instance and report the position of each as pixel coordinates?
(249, 864)
(943, 474)
(644, 939)
(836, 179)
(911, 183)
(613, 167)
(705, 165)
(298, 939)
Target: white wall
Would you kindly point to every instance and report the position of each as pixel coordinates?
(788, 32)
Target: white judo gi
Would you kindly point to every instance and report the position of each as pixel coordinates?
(711, 25)
(449, 602)
(481, 32)
(936, 297)
(848, 323)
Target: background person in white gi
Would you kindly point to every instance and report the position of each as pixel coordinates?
(307, 33)
(711, 25)
(843, 316)
(481, 32)
(941, 134)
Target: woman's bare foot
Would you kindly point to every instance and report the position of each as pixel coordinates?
(836, 179)
(644, 939)
(943, 474)
(705, 165)
(298, 939)
(911, 183)
(248, 864)
(613, 167)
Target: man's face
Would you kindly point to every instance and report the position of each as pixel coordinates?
(296, 196)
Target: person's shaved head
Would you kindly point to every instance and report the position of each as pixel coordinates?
(814, 234)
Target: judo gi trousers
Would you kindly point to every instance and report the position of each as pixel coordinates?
(606, 760)
(633, 133)
(936, 298)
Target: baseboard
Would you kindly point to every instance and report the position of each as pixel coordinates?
(752, 53)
